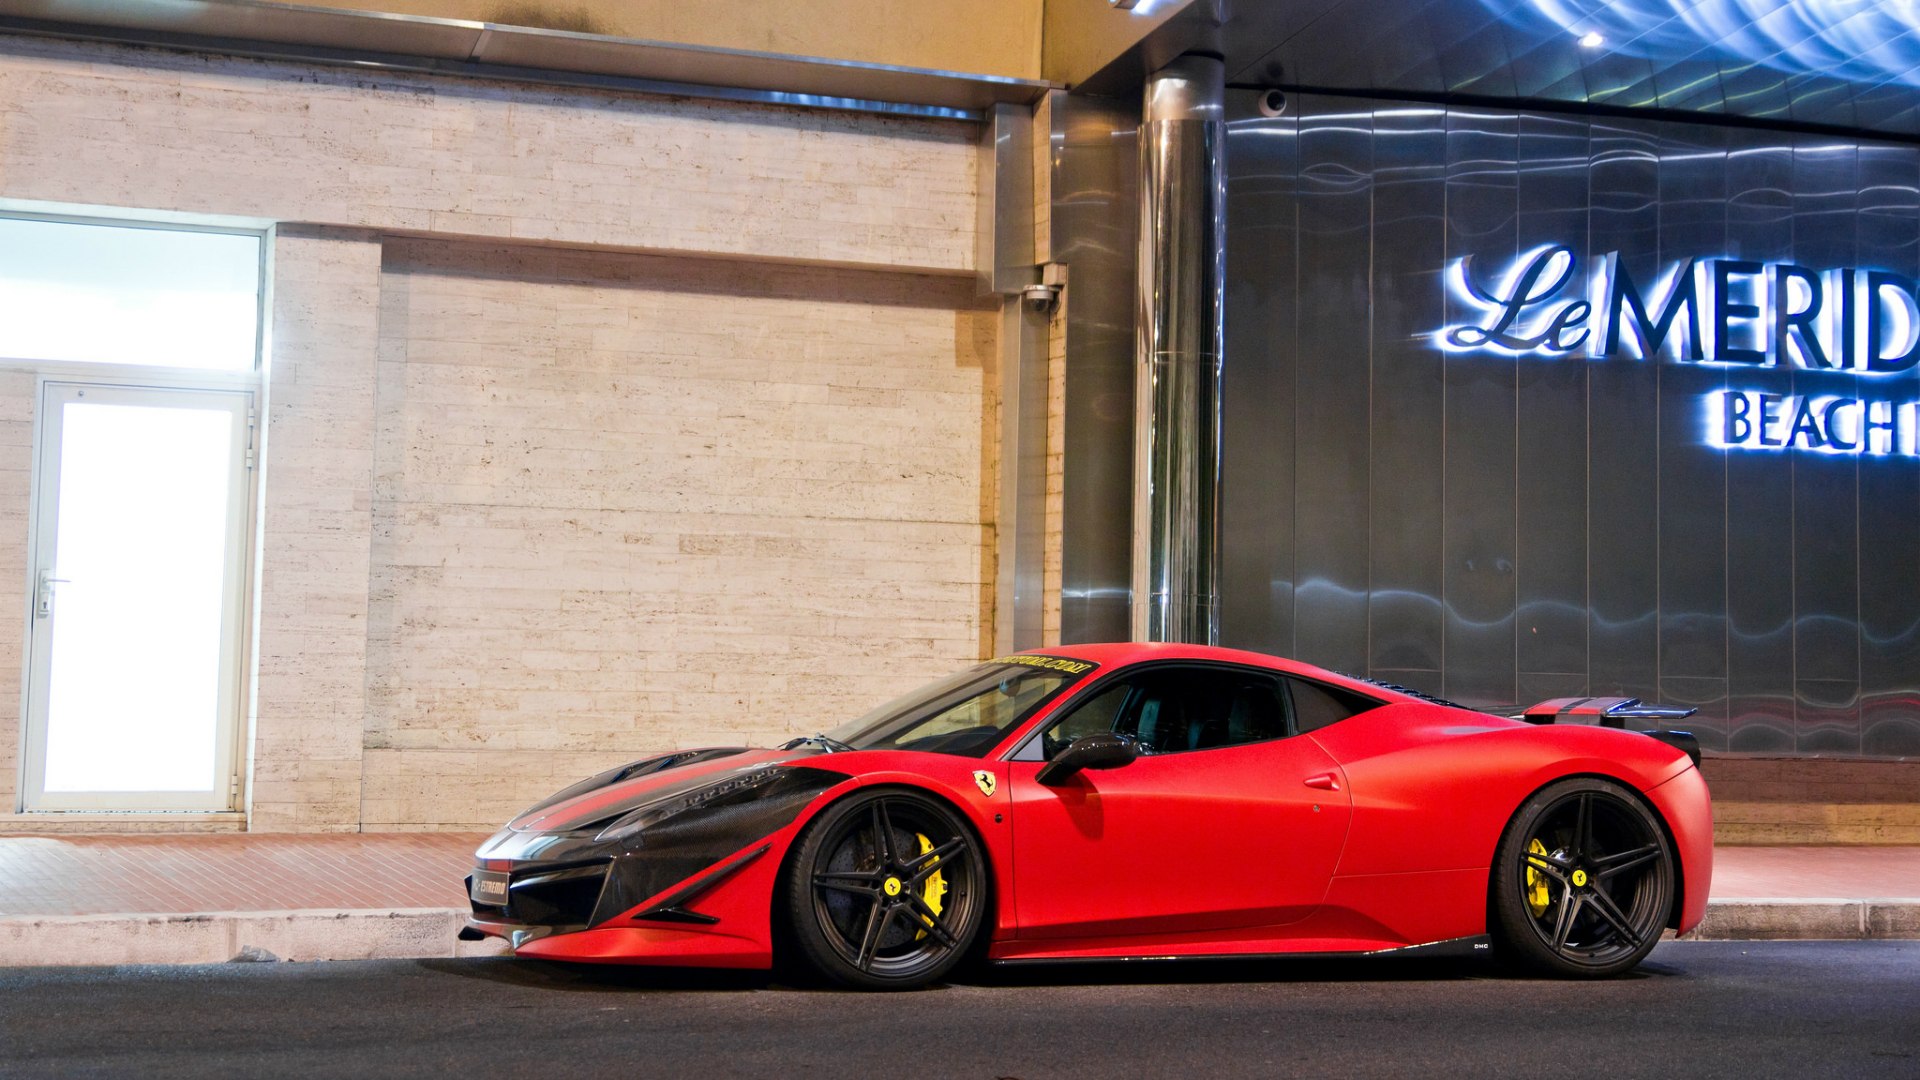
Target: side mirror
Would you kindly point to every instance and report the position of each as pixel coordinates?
(1091, 752)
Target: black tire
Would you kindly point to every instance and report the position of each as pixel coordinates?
(1583, 881)
(886, 890)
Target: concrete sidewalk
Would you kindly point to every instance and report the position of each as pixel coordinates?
(172, 899)
(1813, 892)
(152, 899)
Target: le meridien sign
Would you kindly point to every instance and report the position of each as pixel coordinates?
(1740, 315)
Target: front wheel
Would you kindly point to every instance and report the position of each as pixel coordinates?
(886, 891)
(1583, 881)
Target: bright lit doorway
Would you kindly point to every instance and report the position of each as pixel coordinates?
(137, 610)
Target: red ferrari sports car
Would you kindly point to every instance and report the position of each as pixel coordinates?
(1124, 802)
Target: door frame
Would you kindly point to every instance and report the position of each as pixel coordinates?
(229, 797)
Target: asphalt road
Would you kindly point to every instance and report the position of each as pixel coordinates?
(1735, 1009)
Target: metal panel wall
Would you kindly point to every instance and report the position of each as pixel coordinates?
(1692, 480)
(1330, 451)
(1551, 513)
(1095, 219)
(1888, 234)
(1408, 394)
(1504, 530)
(1760, 702)
(1256, 477)
(1481, 406)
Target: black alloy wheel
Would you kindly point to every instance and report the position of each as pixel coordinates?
(886, 891)
(1583, 881)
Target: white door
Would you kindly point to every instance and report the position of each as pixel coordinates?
(136, 605)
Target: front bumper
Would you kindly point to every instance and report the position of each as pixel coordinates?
(718, 917)
(541, 899)
(693, 888)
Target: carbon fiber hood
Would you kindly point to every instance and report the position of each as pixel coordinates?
(601, 799)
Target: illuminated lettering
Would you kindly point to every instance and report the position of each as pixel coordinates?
(1736, 427)
(1899, 321)
(1729, 311)
(1536, 277)
(1797, 298)
(1680, 294)
(1832, 422)
(1733, 313)
(1805, 426)
(1769, 409)
(1889, 427)
(1826, 424)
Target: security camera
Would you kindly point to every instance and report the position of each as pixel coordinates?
(1272, 103)
(1041, 296)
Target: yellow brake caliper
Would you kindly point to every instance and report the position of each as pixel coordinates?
(935, 892)
(1537, 898)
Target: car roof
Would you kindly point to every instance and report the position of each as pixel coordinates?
(1123, 653)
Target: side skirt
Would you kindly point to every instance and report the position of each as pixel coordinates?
(1476, 945)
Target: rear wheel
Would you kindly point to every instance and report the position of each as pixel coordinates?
(886, 891)
(1583, 881)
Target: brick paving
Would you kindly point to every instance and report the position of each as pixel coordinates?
(105, 875)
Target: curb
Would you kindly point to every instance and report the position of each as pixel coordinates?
(423, 933)
(216, 937)
(1741, 919)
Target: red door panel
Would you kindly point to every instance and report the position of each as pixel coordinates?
(1203, 840)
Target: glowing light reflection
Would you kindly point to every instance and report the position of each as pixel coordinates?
(1864, 41)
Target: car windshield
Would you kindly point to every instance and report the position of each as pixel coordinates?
(965, 714)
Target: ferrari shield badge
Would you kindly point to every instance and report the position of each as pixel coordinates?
(985, 779)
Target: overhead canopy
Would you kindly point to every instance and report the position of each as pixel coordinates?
(1849, 64)
(496, 50)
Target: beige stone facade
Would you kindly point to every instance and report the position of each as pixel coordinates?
(988, 37)
(155, 130)
(595, 425)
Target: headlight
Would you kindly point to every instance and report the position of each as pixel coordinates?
(737, 788)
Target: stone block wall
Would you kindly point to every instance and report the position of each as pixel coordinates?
(316, 524)
(632, 503)
(148, 129)
(1778, 800)
(595, 424)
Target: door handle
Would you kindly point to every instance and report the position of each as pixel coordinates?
(1324, 781)
(43, 594)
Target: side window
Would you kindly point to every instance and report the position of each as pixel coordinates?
(1179, 709)
(1173, 710)
(1093, 717)
(1315, 706)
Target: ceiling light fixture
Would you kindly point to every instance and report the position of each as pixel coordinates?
(1592, 40)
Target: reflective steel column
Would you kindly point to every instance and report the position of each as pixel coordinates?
(1176, 458)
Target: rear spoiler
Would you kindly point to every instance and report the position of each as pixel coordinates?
(1614, 712)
